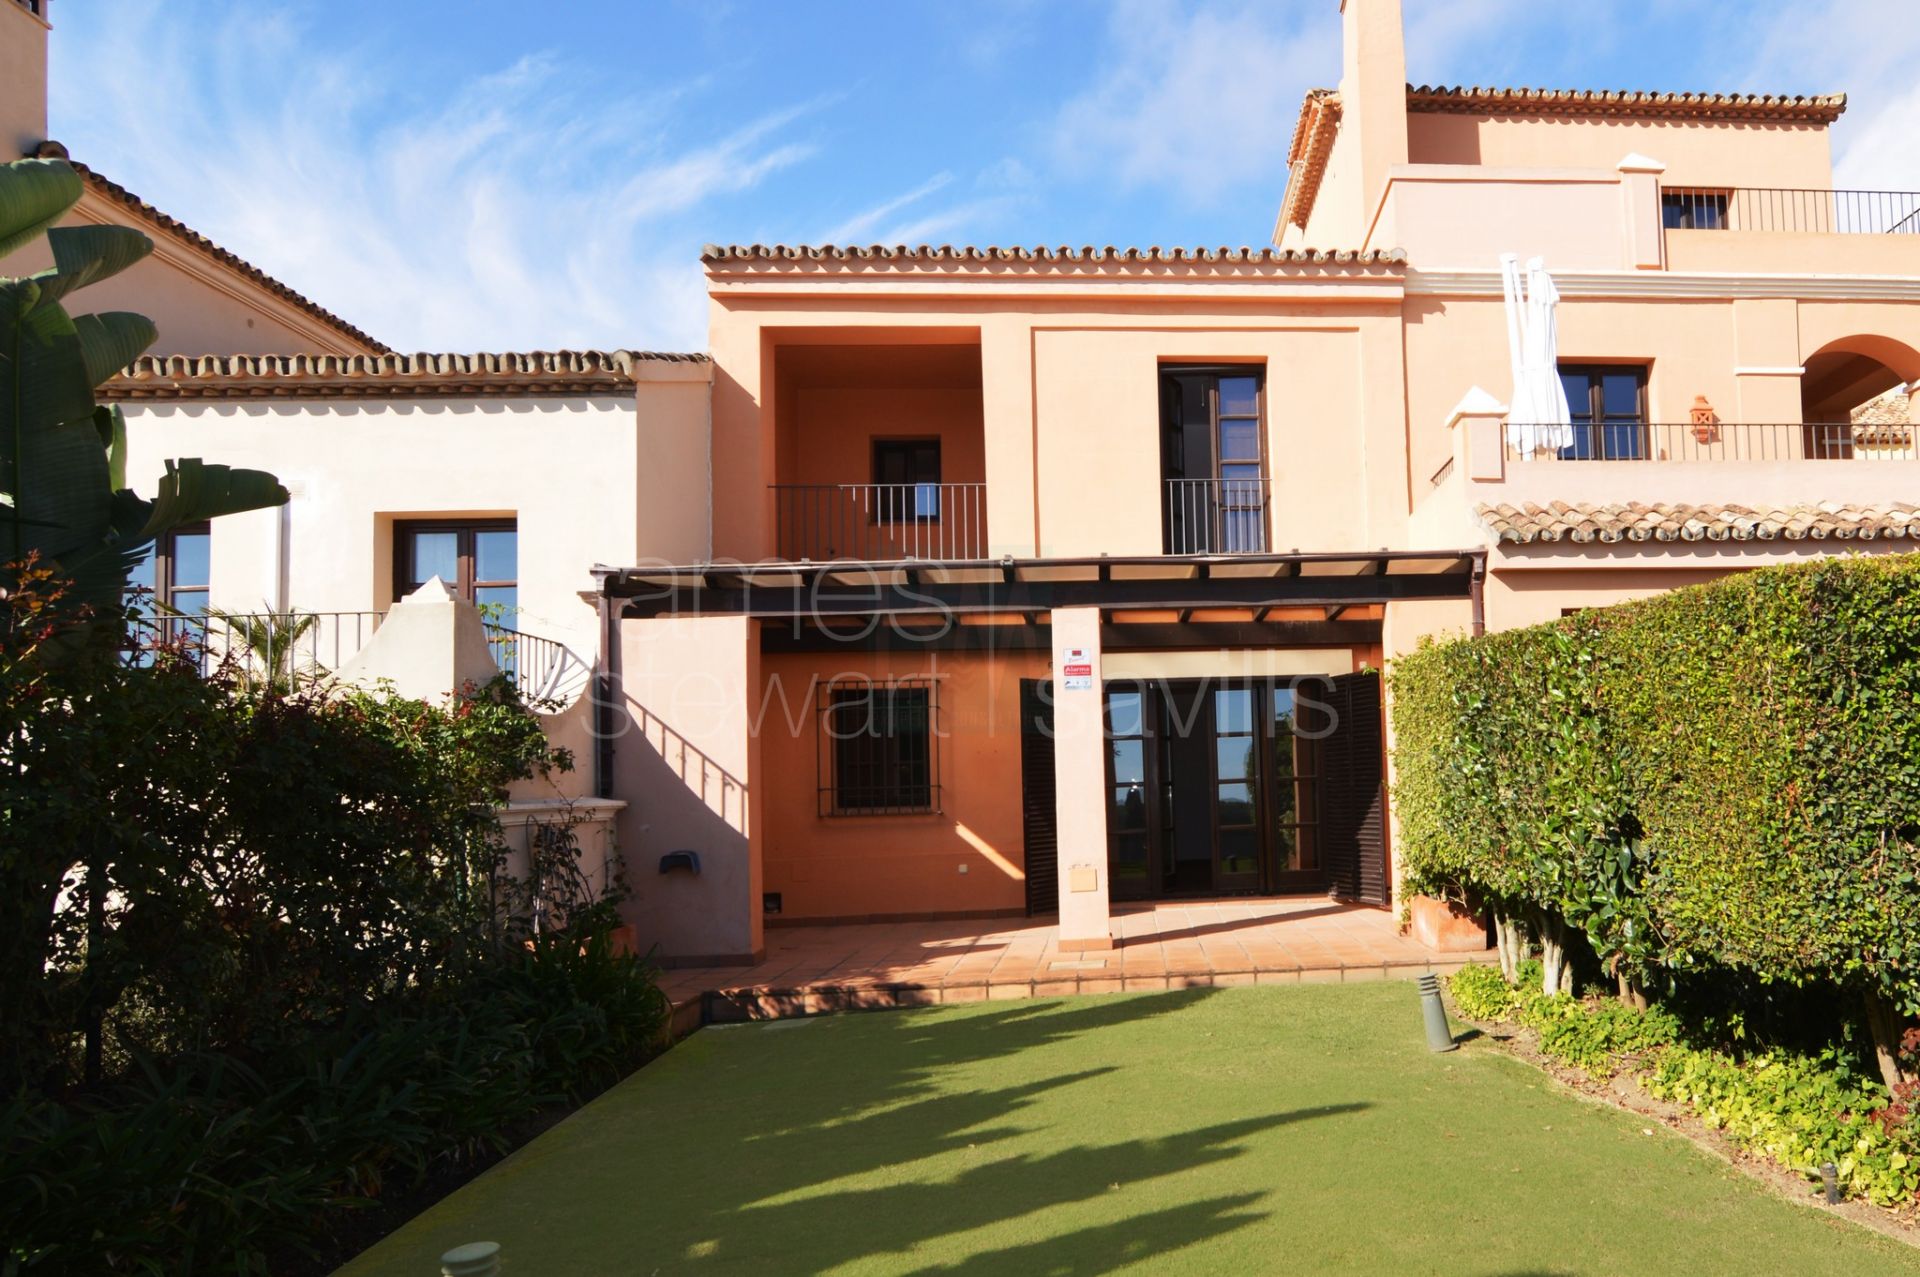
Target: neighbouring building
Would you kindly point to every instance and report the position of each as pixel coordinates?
(1004, 580)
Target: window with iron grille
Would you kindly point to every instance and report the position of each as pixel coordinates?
(879, 751)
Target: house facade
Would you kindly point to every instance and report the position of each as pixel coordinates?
(980, 581)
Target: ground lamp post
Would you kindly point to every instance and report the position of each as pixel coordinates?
(1439, 1036)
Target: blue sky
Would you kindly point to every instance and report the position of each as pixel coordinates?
(480, 174)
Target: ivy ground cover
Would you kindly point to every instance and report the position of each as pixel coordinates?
(1267, 1129)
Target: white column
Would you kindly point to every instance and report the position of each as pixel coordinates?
(1080, 779)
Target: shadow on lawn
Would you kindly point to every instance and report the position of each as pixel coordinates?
(763, 1196)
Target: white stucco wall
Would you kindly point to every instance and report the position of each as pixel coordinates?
(563, 467)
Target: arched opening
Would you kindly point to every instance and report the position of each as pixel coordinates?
(1856, 398)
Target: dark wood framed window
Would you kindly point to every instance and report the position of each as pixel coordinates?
(177, 574)
(906, 475)
(1214, 461)
(478, 558)
(1683, 210)
(879, 749)
(1608, 403)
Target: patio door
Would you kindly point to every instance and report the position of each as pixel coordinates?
(1211, 793)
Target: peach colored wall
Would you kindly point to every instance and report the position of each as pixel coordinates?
(1787, 252)
(686, 762)
(1070, 404)
(23, 81)
(1739, 353)
(836, 428)
(1445, 215)
(1696, 152)
(968, 858)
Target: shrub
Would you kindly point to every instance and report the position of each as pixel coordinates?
(205, 1163)
(1799, 1111)
(1482, 993)
(1723, 776)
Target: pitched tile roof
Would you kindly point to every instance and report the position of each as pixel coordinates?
(174, 228)
(1609, 524)
(1307, 157)
(1087, 256)
(1822, 108)
(556, 372)
(1313, 132)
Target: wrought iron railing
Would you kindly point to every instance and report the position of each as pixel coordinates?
(1216, 516)
(295, 648)
(877, 522)
(1716, 441)
(1821, 212)
(545, 670)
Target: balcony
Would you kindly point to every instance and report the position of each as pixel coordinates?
(296, 648)
(1217, 516)
(880, 522)
(1718, 441)
(1611, 472)
(1794, 211)
(1794, 230)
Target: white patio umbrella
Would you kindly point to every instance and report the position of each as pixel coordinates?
(1537, 414)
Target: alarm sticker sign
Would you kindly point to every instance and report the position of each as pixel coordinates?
(1076, 670)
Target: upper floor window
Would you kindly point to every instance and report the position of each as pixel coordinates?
(478, 558)
(1608, 403)
(1213, 441)
(1693, 210)
(906, 474)
(177, 571)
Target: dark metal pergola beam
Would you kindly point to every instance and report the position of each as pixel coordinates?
(1123, 637)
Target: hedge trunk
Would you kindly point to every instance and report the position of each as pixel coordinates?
(1884, 1023)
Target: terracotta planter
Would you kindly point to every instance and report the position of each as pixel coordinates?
(1445, 927)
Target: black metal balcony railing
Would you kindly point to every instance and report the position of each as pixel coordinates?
(294, 648)
(1819, 212)
(1721, 441)
(1217, 516)
(878, 522)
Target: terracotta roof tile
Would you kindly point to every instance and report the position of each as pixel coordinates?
(1307, 157)
(1087, 256)
(558, 372)
(1314, 131)
(1610, 524)
(1823, 108)
(179, 230)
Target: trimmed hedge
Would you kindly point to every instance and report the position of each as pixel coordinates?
(1723, 776)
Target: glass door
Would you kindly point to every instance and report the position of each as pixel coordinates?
(1236, 787)
(1133, 809)
(1294, 787)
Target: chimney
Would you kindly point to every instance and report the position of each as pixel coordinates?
(1373, 94)
(23, 77)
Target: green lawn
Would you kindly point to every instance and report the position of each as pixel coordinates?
(1237, 1131)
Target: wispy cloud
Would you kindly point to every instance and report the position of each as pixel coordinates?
(522, 209)
(1197, 101)
(858, 228)
(1867, 49)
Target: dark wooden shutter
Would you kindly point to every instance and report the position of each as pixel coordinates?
(1037, 813)
(1353, 813)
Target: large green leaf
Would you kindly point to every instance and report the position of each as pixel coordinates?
(192, 491)
(112, 425)
(33, 195)
(87, 254)
(112, 340)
